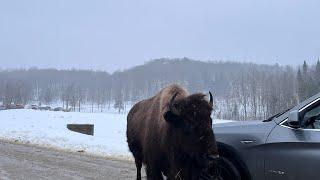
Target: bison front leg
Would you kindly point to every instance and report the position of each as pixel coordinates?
(138, 166)
(153, 172)
(176, 173)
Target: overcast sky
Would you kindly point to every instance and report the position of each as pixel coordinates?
(110, 35)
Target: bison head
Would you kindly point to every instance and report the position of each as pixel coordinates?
(190, 119)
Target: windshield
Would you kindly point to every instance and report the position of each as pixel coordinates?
(276, 115)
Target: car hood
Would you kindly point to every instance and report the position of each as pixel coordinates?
(237, 131)
(238, 123)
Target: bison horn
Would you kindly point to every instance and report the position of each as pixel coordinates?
(173, 109)
(211, 99)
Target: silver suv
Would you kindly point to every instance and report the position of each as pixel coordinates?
(286, 146)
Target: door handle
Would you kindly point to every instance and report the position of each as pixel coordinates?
(246, 141)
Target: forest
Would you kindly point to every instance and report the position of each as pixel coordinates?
(242, 91)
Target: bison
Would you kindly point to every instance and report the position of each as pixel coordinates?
(171, 134)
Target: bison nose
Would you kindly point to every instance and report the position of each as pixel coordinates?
(213, 157)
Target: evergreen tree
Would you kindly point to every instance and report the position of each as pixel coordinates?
(317, 75)
(318, 71)
(300, 84)
(307, 83)
(305, 68)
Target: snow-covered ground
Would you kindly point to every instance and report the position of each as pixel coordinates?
(88, 107)
(48, 128)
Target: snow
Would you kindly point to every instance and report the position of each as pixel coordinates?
(48, 128)
(89, 107)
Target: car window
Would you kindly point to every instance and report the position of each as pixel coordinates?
(311, 118)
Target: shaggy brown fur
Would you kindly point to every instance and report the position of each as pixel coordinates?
(175, 146)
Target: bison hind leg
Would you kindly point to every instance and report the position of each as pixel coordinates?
(138, 158)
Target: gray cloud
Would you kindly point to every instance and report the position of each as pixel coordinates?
(111, 35)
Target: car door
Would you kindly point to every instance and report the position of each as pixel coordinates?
(295, 153)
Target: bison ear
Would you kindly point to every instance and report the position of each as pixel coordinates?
(172, 119)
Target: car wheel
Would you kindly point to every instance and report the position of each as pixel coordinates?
(227, 170)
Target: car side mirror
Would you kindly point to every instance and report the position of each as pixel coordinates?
(293, 119)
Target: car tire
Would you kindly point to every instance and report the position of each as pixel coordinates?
(228, 170)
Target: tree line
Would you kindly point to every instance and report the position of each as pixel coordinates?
(260, 93)
(242, 90)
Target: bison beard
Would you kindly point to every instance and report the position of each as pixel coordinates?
(171, 134)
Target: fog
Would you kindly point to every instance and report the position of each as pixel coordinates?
(118, 34)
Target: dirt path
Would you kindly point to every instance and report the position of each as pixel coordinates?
(19, 161)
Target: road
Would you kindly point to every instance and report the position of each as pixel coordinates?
(25, 162)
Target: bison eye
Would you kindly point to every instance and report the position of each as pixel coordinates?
(201, 137)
